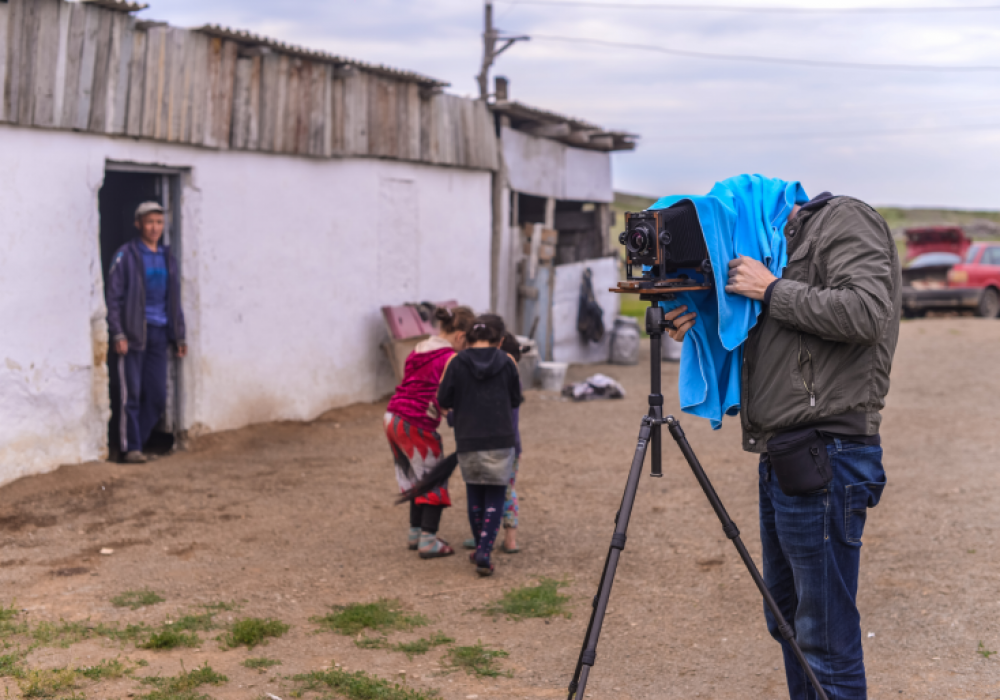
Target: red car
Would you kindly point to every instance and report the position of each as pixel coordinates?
(936, 239)
(946, 281)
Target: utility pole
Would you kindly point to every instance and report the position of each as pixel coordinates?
(491, 36)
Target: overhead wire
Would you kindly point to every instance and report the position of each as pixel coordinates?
(813, 63)
(749, 9)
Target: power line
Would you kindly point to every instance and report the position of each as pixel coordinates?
(824, 135)
(766, 59)
(737, 8)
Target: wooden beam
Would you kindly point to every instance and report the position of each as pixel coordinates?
(46, 63)
(561, 130)
(136, 84)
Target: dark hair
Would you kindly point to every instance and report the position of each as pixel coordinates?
(488, 327)
(510, 346)
(458, 319)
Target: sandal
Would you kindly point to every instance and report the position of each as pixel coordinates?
(484, 570)
(444, 550)
(513, 550)
(470, 543)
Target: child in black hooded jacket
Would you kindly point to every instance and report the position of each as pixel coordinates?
(481, 384)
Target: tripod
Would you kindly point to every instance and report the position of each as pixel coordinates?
(649, 432)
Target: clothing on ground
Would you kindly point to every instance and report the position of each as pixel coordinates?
(143, 380)
(811, 552)
(485, 517)
(744, 215)
(415, 399)
(155, 266)
(482, 385)
(510, 504)
(415, 452)
(487, 467)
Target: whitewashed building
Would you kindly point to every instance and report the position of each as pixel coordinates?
(304, 190)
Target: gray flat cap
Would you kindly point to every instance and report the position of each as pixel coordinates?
(148, 208)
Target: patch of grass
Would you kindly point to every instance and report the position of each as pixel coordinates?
(129, 633)
(382, 615)
(984, 652)
(357, 686)
(136, 599)
(371, 642)
(543, 600)
(169, 638)
(222, 606)
(422, 646)
(261, 662)
(477, 660)
(61, 634)
(43, 683)
(107, 669)
(184, 685)
(10, 665)
(252, 631)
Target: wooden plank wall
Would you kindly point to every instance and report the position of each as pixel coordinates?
(70, 65)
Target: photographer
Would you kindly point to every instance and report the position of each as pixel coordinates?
(814, 379)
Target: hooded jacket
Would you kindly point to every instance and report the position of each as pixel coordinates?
(126, 297)
(415, 400)
(482, 385)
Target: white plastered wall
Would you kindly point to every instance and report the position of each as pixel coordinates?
(286, 262)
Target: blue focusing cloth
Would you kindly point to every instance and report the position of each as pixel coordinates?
(744, 215)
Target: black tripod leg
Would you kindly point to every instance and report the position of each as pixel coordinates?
(588, 654)
(733, 533)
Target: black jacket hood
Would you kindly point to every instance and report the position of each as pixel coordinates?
(483, 362)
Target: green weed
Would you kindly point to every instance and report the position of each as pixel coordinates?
(136, 599)
(357, 686)
(261, 662)
(477, 660)
(422, 646)
(543, 600)
(43, 683)
(60, 634)
(384, 614)
(984, 652)
(222, 606)
(169, 638)
(10, 625)
(252, 631)
(10, 665)
(184, 685)
(107, 669)
(371, 643)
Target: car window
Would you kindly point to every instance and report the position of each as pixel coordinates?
(992, 256)
(972, 254)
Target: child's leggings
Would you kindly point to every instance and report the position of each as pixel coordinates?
(485, 517)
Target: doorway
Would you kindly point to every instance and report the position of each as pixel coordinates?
(125, 187)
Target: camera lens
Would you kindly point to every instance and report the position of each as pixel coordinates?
(637, 240)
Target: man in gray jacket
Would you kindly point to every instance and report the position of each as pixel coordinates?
(814, 380)
(145, 320)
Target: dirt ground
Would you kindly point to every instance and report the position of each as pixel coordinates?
(293, 518)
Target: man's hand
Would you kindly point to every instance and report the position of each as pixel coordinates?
(749, 278)
(682, 324)
(182, 350)
(121, 347)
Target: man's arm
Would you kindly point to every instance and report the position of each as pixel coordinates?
(115, 300)
(855, 305)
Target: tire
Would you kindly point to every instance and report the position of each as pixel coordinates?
(989, 304)
(914, 313)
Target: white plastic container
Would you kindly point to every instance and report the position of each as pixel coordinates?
(625, 341)
(527, 367)
(670, 349)
(552, 375)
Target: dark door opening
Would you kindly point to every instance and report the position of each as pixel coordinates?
(122, 192)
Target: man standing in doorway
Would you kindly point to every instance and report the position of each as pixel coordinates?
(144, 319)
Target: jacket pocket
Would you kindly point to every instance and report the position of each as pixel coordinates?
(804, 371)
(858, 499)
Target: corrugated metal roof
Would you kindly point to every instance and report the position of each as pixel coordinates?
(118, 5)
(569, 130)
(249, 38)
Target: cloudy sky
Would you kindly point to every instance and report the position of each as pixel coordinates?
(891, 136)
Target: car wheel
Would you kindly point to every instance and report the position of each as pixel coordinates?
(989, 304)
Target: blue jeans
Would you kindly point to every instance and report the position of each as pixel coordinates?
(812, 548)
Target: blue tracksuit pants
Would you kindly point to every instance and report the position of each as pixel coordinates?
(143, 376)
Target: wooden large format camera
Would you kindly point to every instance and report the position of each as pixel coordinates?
(660, 245)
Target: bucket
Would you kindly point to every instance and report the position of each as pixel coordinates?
(552, 375)
(625, 339)
(670, 349)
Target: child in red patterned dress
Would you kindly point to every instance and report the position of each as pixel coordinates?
(411, 422)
